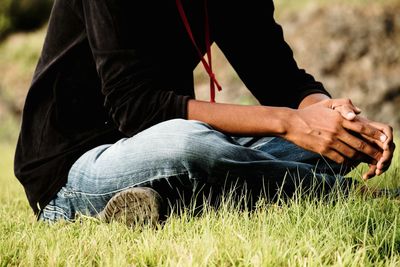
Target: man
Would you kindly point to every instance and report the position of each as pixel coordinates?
(111, 124)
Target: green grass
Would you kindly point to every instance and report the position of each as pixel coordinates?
(352, 232)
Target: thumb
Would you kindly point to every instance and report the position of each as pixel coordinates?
(347, 112)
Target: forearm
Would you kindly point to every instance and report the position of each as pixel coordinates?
(247, 120)
(241, 120)
(312, 99)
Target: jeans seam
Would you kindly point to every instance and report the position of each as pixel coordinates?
(259, 145)
(76, 192)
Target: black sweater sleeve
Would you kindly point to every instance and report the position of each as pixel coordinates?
(254, 44)
(130, 77)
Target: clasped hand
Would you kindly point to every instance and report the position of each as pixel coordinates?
(334, 129)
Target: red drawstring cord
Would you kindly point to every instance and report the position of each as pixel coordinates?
(207, 65)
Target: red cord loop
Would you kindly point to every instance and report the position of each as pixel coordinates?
(207, 65)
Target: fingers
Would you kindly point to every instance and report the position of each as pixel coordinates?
(366, 129)
(345, 107)
(349, 111)
(385, 129)
(346, 112)
(350, 154)
(386, 159)
(342, 140)
(387, 145)
(362, 136)
(385, 142)
(335, 156)
(339, 152)
(342, 153)
(370, 173)
(360, 145)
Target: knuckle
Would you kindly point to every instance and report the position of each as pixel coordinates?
(357, 127)
(376, 154)
(373, 132)
(363, 128)
(330, 141)
(361, 146)
(324, 150)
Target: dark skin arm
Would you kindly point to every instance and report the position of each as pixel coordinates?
(315, 126)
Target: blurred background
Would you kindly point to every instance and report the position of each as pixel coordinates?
(353, 47)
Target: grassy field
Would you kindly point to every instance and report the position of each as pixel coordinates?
(358, 231)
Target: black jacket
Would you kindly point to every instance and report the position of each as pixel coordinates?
(112, 68)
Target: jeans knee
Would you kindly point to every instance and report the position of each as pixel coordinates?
(181, 126)
(186, 141)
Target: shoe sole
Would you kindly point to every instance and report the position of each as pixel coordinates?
(134, 206)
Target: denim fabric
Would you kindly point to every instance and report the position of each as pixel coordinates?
(185, 154)
(110, 69)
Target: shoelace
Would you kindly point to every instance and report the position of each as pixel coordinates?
(207, 65)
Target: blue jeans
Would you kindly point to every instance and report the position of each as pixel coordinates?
(185, 155)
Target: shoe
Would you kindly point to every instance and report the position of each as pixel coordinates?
(133, 206)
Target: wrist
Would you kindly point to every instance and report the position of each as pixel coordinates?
(279, 124)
